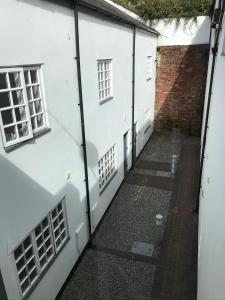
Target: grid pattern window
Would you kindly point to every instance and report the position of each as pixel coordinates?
(106, 167)
(104, 79)
(21, 104)
(36, 251)
(59, 226)
(35, 98)
(44, 243)
(26, 264)
(147, 119)
(149, 68)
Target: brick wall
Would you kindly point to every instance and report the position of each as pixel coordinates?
(180, 86)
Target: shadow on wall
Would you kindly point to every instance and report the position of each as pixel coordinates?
(180, 87)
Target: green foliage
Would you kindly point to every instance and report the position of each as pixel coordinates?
(159, 9)
(166, 123)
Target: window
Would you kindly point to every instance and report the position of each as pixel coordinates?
(149, 68)
(21, 104)
(147, 119)
(37, 250)
(104, 79)
(106, 167)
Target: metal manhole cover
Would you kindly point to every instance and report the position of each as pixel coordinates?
(141, 248)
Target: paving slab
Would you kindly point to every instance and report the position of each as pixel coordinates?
(101, 276)
(132, 217)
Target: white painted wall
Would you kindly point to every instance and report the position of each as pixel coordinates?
(107, 123)
(144, 88)
(211, 262)
(183, 32)
(32, 176)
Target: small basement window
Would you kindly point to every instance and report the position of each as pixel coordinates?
(36, 251)
(106, 167)
(21, 104)
(104, 79)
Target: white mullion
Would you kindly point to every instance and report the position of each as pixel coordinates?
(36, 256)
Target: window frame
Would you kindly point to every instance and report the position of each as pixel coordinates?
(108, 180)
(110, 87)
(148, 122)
(12, 106)
(41, 270)
(42, 98)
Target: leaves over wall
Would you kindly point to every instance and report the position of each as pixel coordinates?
(159, 9)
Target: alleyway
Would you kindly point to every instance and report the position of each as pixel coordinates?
(118, 267)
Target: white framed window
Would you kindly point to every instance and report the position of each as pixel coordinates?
(107, 167)
(39, 248)
(147, 118)
(104, 79)
(58, 220)
(149, 68)
(21, 104)
(34, 92)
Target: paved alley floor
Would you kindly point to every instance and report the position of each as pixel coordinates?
(118, 266)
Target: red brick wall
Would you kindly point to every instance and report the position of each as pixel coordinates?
(180, 86)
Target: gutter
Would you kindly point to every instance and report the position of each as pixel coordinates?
(133, 99)
(77, 41)
(214, 52)
(123, 20)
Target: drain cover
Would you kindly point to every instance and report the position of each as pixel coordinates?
(142, 248)
(163, 174)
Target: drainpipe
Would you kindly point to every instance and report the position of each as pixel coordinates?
(77, 41)
(133, 98)
(214, 51)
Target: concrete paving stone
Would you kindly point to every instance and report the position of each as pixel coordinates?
(101, 276)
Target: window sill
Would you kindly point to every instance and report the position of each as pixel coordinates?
(104, 188)
(35, 136)
(105, 100)
(26, 296)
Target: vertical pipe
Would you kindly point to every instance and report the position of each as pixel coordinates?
(133, 98)
(77, 41)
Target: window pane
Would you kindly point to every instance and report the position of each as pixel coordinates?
(4, 99)
(3, 82)
(27, 79)
(33, 123)
(29, 95)
(10, 134)
(33, 75)
(23, 129)
(17, 97)
(14, 79)
(36, 93)
(7, 117)
(38, 106)
(20, 113)
(31, 108)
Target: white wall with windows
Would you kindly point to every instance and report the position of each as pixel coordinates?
(43, 220)
(145, 71)
(38, 91)
(108, 119)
